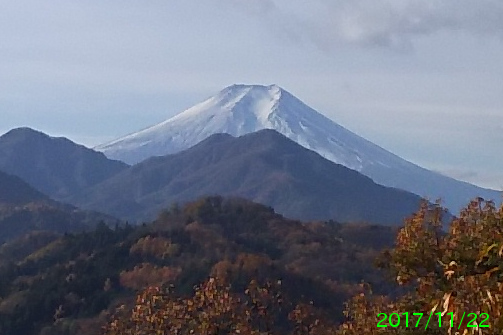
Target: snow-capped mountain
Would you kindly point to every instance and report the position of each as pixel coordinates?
(242, 109)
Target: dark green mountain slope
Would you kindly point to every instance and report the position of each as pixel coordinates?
(55, 166)
(265, 167)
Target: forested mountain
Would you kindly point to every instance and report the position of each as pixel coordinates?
(265, 167)
(14, 191)
(441, 276)
(70, 284)
(53, 165)
(24, 209)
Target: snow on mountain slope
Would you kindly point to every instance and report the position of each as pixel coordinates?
(242, 109)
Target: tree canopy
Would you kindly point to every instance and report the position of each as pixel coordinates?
(455, 276)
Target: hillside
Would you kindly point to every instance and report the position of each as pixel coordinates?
(265, 167)
(14, 191)
(77, 279)
(23, 210)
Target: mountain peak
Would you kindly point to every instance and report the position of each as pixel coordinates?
(23, 132)
(237, 110)
(37, 140)
(245, 96)
(29, 137)
(253, 87)
(240, 109)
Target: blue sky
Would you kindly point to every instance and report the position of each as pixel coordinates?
(423, 79)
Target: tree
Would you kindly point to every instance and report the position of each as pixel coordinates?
(214, 309)
(453, 273)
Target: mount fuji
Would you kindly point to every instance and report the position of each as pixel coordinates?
(242, 109)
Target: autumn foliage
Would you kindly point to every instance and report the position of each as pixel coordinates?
(458, 271)
(146, 274)
(215, 309)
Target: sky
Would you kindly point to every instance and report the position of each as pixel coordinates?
(423, 79)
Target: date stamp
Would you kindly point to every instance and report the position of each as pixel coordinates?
(413, 320)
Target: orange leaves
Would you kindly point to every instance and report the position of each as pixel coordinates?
(460, 271)
(214, 309)
(418, 245)
(245, 264)
(147, 274)
(159, 247)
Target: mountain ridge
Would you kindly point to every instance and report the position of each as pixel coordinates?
(263, 166)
